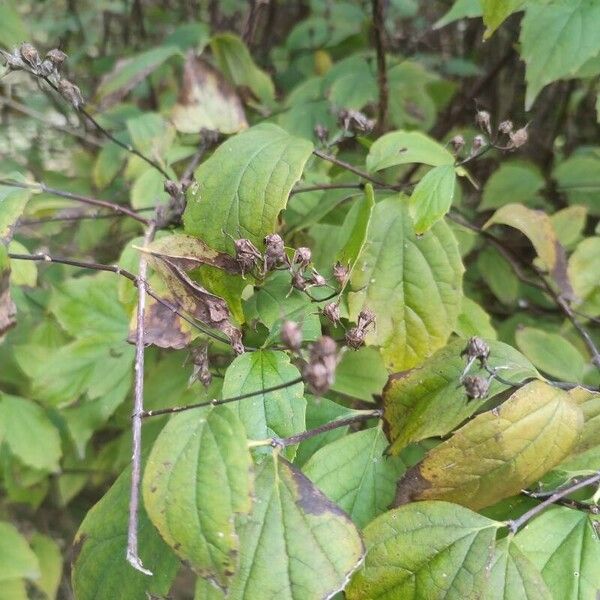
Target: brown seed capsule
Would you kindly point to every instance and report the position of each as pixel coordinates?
(366, 317)
(201, 370)
(332, 312)
(30, 55)
(321, 132)
(46, 68)
(457, 142)
(355, 337)
(476, 348)
(274, 251)
(316, 279)
(71, 93)
(317, 378)
(483, 121)
(340, 273)
(476, 387)
(291, 335)
(323, 348)
(299, 282)
(478, 143)
(519, 138)
(247, 255)
(355, 121)
(505, 127)
(56, 57)
(172, 188)
(14, 62)
(302, 257)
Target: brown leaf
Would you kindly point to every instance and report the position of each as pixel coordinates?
(207, 101)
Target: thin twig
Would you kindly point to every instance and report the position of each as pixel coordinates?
(516, 524)
(328, 186)
(382, 80)
(118, 208)
(138, 410)
(352, 169)
(215, 402)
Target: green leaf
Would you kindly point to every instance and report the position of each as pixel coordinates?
(244, 185)
(412, 284)
(556, 39)
(579, 178)
(590, 405)
(22, 272)
(13, 30)
(108, 164)
(432, 197)
(496, 11)
(551, 353)
(12, 205)
(569, 224)
(360, 374)
(473, 320)
(51, 564)
(499, 275)
(151, 134)
(13, 589)
(428, 401)
(460, 9)
(16, 557)
(404, 147)
(296, 543)
(235, 62)
(354, 473)
(99, 569)
(582, 271)
(280, 413)
(148, 190)
(512, 575)
(29, 434)
(499, 452)
(197, 478)
(425, 550)
(563, 544)
(515, 181)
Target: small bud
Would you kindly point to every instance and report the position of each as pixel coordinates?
(355, 337)
(476, 348)
(505, 127)
(483, 121)
(274, 251)
(321, 132)
(71, 93)
(519, 138)
(332, 312)
(30, 55)
(478, 143)
(201, 371)
(457, 142)
(56, 57)
(317, 378)
(340, 273)
(291, 335)
(476, 387)
(302, 257)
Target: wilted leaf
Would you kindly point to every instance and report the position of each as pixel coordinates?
(99, 569)
(355, 474)
(429, 401)
(412, 284)
(432, 197)
(197, 478)
(513, 575)
(499, 452)
(403, 147)
(563, 544)
(537, 226)
(8, 310)
(296, 543)
(129, 72)
(207, 101)
(280, 413)
(551, 353)
(425, 550)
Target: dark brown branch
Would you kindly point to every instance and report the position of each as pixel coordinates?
(118, 208)
(568, 502)
(353, 169)
(382, 80)
(516, 524)
(215, 402)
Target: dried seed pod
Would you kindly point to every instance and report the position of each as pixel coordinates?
(30, 55)
(478, 143)
(299, 282)
(332, 312)
(56, 57)
(476, 348)
(355, 337)
(71, 93)
(46, 68)
(201, 370)
(317, 378)
(458, 143)
(316, 279)
(323, 348)
(247, 255)
(14, 62)
(274, 251)
(321, 132)
(484, 121)
(355, 121)
(505, 127)
(302, 257)
(291, 335)
(340, 273)
(519, 138)
(366, 317)
(476, 387)
(173, 188)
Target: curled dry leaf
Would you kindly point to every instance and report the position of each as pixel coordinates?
(207, 101)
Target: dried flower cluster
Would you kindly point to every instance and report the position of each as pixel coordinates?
(319, 371)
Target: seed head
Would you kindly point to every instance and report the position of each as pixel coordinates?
(476, 348)
(30, 55)
(323, 348)
(457, 142)
(246, 254)
(321, 132)
(355, 337)
(519, 137)
(340, 273)
(366, 317)
(274, 251)
(483, 121)
(71, 93)
(201, 371)
(505, 127)
(291, 335)
(56, 57)
(316, 279)
(332, 312)
(478, 143)
(302, 257)
(317, 378)
(476, 387)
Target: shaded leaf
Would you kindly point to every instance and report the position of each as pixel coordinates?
(12, 205)
(296, 544)
(197, 478)
(99, 569)
(583, 274)
(474, 320)
(16, 557)
(412, 284)
(429, 401)
(499, 452)
(432, 197)
(460, 10)
(496, 11)
(360, 374)
(579, 178)
(207, 101)
(425, 550)
(8, 310)
(569, 224)
(51, 564)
